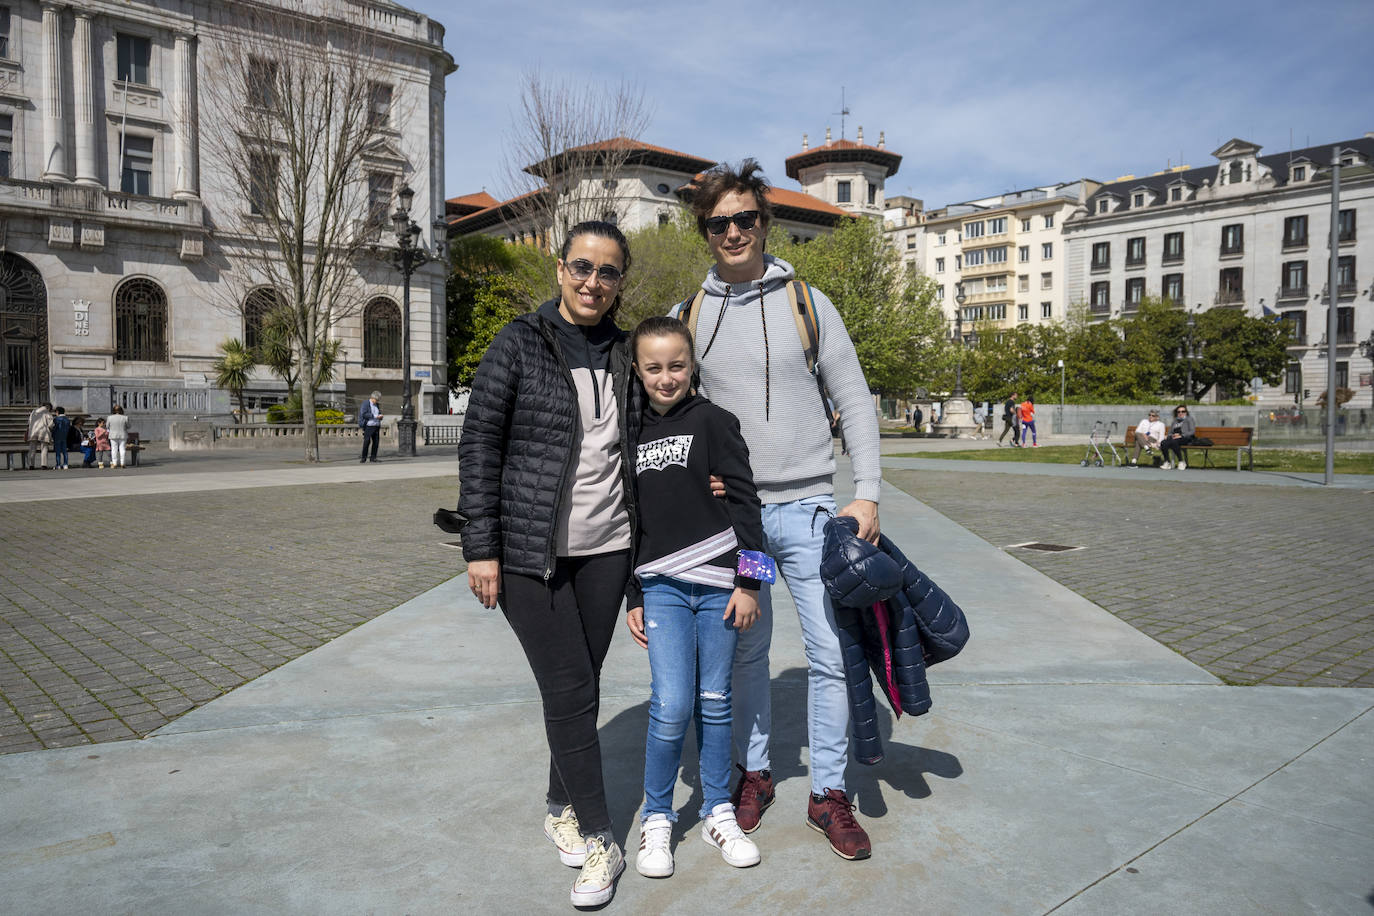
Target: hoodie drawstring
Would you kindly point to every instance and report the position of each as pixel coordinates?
(719, 318)
(767, 381)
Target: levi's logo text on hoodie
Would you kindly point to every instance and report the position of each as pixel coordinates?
(659, 454)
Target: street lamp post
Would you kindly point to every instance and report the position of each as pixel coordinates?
(1059, 424)
(1190, 351)
(408, 257)
(959, 298)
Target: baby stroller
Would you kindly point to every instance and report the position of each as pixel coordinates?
(1101, 435)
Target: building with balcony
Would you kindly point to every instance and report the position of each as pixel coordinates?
(1250, 232)
(1006, 250)
(115, 253)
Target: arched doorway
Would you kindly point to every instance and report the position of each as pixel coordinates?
(23, 332)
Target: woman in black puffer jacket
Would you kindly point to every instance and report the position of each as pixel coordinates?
(546, 485)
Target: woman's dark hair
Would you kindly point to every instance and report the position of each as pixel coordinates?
(724, 178)
(1180, 407)
(605, 230)
(658, 326)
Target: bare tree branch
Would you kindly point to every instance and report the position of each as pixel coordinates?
(303, 108)
(566, 151)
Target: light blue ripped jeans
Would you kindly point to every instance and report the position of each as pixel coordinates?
(691, 651)
(793, 534)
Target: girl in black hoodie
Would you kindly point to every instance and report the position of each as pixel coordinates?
(685, 597)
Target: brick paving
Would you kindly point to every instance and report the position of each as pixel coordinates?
(1258, 585)
(119, 614)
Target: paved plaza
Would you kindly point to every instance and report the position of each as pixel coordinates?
(1265, 585)
(120, 613)
(1071, 763)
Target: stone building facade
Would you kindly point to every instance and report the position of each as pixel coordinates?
(1250, 232)
(113, 249)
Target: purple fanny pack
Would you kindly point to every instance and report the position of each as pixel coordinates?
(755, 564)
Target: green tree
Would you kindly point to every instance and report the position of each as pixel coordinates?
(890, 313)
(496, 301)
(233, 367)
(1236, 348)
(1023, 359)
(670, 261)
(489, 279)
(277, 352)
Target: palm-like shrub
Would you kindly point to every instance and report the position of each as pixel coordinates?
(232, 369)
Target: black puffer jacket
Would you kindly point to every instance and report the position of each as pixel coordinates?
(519, 444)
(923, 627)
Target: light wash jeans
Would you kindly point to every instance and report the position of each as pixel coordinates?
(793, 535)
(691, 651)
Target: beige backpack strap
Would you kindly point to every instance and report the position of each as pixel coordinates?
(808, 329)
(804, 314)
(689, 312)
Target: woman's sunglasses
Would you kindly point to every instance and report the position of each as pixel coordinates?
(744, 219)
(581, 269)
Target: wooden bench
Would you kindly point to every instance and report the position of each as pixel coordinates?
(10, 448)
(132, 447)
(1240, 438)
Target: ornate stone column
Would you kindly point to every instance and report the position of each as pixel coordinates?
(54, 130)
(83, 90)
(184, 119)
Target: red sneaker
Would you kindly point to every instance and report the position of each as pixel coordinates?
(833, 816)
(751, 797)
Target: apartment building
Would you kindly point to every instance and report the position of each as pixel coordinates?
(1007, 252)
(1249, 232)
(115, 233)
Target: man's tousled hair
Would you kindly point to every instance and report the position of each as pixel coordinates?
(746, 178)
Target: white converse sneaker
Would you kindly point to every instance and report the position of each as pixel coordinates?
(722, 831)
(655, 859)
(565, 833)
(1183, 465)
(1166, 466)
(596, 884)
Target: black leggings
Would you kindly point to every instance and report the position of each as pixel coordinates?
(565, 628)
(1176, 446)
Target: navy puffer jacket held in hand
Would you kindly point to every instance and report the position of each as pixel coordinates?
(915, 626)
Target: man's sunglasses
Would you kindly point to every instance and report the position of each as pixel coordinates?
(581, 269)
(744, 219)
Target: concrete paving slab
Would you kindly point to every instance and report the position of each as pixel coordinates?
(1217, 739)
(398, 769)
(1241, 861)
(1332, 784)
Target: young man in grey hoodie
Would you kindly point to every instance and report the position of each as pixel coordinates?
(753, 364)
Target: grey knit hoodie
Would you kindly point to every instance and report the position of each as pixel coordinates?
(753, 365)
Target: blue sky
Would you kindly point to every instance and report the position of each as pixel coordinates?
(978, 97)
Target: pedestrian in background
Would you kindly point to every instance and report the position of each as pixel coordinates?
(980, 417)
(61, 428)
(1027, 412)
(86, 442)
(1009, 421)
(101, 438)
(1182, 433)
(370, 422)
(117, 425)
(38, 434)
